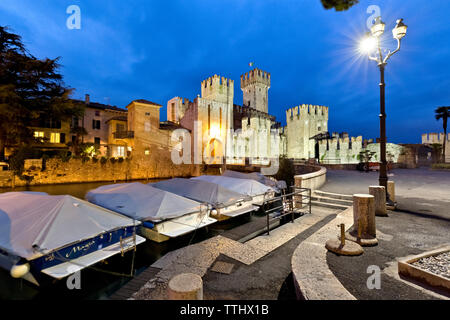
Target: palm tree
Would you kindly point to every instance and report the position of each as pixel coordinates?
(443, 113)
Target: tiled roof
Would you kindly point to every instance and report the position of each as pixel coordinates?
(168, 125)
(147, 102)
(101, 106)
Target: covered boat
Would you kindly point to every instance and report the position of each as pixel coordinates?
(163, 214)
(58, 235)
(277, 185)
(258, 191)
(224, 202)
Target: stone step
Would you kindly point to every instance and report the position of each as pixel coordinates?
(329, 205)
(333, 195)
(332, 200)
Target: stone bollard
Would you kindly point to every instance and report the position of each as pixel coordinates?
(379, 194)
(342, 247)
(363, 230)
(185, 286)
(391, 190)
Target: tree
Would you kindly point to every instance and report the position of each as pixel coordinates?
(443, 113)
(339, 5)
(76, 144)
(30, 89)
(286, 171)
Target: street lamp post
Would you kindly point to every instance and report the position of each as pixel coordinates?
(370, 43)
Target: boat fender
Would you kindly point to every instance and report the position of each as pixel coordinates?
(19, 270)
(148, 224)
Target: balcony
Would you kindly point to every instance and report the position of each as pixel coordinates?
(123, 135)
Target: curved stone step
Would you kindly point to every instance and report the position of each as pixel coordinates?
(334, 195)
(329, 205)
(332, 200)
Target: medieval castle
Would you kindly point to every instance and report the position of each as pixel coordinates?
(248, 131)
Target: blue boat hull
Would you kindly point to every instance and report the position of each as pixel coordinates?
(79, 249)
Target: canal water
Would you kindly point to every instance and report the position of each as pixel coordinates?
(103, 281)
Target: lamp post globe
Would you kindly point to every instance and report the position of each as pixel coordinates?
(378, 27)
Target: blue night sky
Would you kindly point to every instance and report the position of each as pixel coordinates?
(156, 50)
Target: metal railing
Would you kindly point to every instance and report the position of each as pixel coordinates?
(295, 203)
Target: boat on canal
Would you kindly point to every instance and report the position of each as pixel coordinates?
(163, 214)
(46, 236)
(224, 202)
(258, 191)
(277, 185)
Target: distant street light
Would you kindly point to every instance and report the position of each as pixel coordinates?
(369, 44)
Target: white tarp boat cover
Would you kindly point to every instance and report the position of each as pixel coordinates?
(202, 191)
(249, 187)
(255, 176)
(32, 224)
(142, 201)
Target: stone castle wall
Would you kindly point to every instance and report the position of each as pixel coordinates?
(340, 150)
(157, 165)
(304, 122)
(346, 151)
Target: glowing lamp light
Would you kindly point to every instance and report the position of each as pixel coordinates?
(368, 44)
(214, 132)
(400, 30)
(378, 28)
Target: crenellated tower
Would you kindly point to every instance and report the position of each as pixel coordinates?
(218, 89)
(255, 86)
(303, 123)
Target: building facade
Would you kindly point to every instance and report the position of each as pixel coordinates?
(437, 138)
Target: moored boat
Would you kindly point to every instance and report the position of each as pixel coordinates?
(163, 214)
(277, 185)
(258, 191)
(224, 202)
(55, 236)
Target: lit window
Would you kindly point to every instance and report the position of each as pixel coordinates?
(120, 151)
(147, 152)
(39, 135)
(54, 137)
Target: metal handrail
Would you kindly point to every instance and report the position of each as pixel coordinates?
(287, 205)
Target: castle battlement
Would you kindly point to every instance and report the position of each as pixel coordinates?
(255, 76)
(216, 81)
(218, 88)
(432, 138)
(305, 110)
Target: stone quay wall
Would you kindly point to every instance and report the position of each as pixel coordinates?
(313, 180)
(56, 171)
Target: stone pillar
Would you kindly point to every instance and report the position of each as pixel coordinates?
(363, 230)
(391, 190)
(379, 194)
(185, 286)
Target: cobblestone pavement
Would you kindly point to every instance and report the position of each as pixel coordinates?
(261, 264)
(420, 223)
